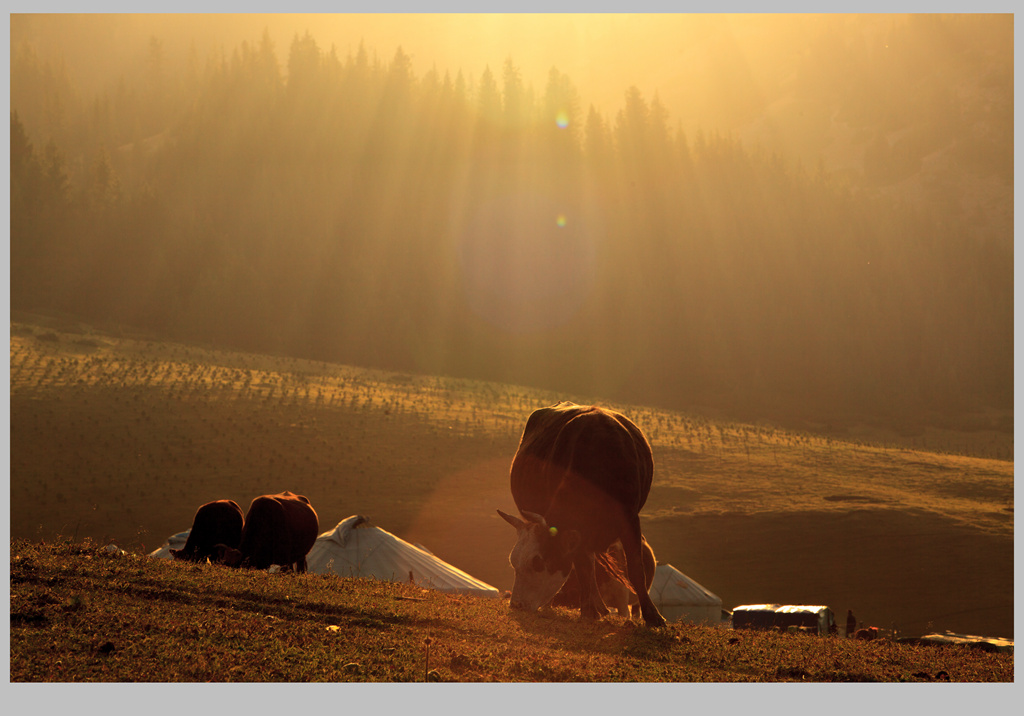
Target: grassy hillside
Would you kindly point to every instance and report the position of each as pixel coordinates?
(120, 439)
(79, 613)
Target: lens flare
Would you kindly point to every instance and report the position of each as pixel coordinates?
(522, 271)
(562, 119)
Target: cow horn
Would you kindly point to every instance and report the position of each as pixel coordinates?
(534, 517)
(514, 521)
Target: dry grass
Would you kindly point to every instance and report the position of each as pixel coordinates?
(81, 614)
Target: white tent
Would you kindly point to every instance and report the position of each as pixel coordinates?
(985, 643)
(356, 548)
(679, 598)
(173, 542)
(783, 616)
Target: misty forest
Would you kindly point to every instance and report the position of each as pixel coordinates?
(341, 205)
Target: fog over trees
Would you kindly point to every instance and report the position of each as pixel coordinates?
(463, 221)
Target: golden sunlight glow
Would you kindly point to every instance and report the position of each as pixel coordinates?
(494, 189)
(399, 234)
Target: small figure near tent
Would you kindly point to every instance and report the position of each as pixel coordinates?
(851, 624)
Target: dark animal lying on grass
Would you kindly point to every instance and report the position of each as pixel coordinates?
(579, 478)
(279, 529)
(868, 634)
(217, 522)
(609, 570)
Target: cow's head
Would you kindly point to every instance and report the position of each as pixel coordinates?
(541, 558)
(228, 556)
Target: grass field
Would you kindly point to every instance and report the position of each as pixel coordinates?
(82, 614)
(120, 439)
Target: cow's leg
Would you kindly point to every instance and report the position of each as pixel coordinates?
(591, 604)
(635, 571)
(617, 597)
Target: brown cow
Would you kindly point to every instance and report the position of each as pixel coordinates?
(279, 529)
(579, 478)
(609, 569)
(217, 522)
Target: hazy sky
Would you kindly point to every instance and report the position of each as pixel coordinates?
(917, 109)
(689, 60)
(602, 53)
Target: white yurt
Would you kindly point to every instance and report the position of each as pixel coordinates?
(357, 548)
(679, 598)
(173, 542)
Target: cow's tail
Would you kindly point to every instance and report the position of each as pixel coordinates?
(604, 561)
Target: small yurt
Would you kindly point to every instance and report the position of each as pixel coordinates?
(782, 616)
(173, 542)
(357, 548)
(679, 598)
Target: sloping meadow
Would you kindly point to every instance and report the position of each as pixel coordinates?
(120, 438)
(82, 612)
